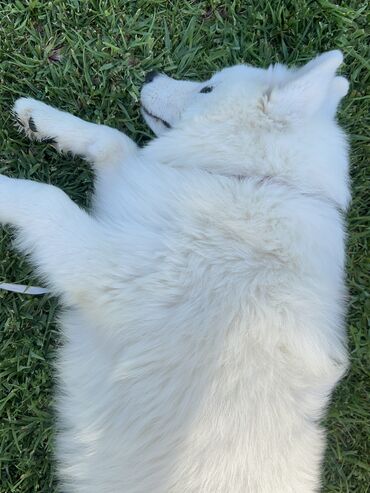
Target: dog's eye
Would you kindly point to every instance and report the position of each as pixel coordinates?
(206, 89)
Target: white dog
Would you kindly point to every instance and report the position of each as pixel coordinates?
(205, 323)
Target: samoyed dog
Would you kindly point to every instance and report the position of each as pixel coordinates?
(204, 294)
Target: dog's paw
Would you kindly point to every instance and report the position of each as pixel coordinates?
(32, 116)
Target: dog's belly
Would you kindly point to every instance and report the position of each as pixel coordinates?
(194, 384)
(183, 430)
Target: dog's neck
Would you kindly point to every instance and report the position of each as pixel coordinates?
(276, 180)
(173, 152)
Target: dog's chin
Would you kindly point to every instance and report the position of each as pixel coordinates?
(158, 125)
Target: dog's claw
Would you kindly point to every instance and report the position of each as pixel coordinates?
(49, 140)
(32, 125)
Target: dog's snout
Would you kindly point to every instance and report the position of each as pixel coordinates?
(150, 76)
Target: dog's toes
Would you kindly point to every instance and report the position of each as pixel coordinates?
(22, 112)
(30, 116)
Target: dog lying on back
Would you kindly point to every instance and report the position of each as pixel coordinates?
(204, 293)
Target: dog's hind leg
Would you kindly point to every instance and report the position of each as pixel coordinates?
(65, 242)
(103, 146)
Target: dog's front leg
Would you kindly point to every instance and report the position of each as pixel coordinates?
(63, 240)
(106, 148)
(103, 146)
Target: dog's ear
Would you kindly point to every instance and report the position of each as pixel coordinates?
(308, 91)
(337, 90)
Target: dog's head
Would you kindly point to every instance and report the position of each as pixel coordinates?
(246, 95)
(277, 121)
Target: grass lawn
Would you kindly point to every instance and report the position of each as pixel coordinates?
(89, 58)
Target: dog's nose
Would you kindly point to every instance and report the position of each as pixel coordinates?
(150, 76)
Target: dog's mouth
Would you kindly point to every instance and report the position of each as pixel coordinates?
(155, 117)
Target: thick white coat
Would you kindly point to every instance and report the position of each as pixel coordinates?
(204, 294)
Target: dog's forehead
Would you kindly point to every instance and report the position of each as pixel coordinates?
(239, 73)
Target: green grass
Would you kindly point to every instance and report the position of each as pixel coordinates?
(105, 48)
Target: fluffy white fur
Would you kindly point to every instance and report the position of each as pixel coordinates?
(204, 294)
